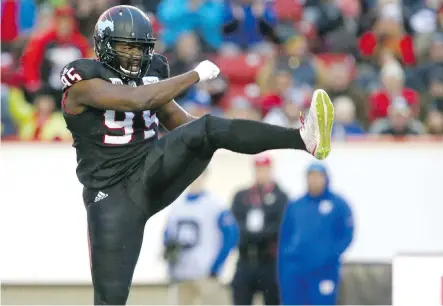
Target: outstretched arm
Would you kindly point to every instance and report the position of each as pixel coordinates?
(104, 95)
(100, 94)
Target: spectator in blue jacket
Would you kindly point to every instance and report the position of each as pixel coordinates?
(316, 230)
(246, 24)
(201, 16)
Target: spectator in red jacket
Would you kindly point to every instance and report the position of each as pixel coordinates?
(46, 54)
(388, 33)
(9, 64)
(392, 79)
(399, 122)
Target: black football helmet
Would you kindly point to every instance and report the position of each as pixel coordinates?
(125, 24)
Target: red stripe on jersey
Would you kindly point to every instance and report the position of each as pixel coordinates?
(65, 95)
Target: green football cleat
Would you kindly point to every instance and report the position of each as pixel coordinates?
(317, 127)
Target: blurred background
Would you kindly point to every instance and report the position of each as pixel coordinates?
(381, 61)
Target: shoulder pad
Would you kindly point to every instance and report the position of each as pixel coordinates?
(160, 63)
(79, 70)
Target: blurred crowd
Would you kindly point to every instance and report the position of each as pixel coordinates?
(381, 61)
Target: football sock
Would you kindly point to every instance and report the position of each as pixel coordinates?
(251, 137)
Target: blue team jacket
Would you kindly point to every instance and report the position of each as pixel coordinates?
(315, 231)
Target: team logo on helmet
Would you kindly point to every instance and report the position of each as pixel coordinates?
(103, 26)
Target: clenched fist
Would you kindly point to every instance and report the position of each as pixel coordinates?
(207, 70)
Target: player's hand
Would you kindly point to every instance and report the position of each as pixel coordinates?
(172, 251)
(207, 70)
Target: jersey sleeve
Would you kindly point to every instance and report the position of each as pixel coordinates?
(79, 70)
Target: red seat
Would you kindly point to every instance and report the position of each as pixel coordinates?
(240, 69)
(289, 10)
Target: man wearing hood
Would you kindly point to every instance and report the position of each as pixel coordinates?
(316, 230)
(48, 52)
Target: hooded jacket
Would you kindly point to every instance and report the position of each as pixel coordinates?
(315, 231)
(38, 67)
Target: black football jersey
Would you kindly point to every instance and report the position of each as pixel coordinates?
(110, 144)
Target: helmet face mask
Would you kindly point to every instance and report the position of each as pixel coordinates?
(132, 58)
(123, 41)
